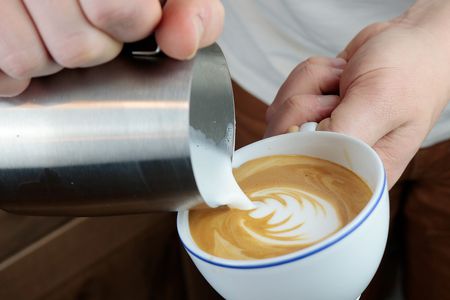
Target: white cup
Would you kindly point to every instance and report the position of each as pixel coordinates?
(339, 267)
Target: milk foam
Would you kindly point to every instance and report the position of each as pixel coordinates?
(301, 217)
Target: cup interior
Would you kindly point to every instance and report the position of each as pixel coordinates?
(338, 148)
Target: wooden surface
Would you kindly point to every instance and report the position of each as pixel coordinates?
(16, 232)
(89, 258)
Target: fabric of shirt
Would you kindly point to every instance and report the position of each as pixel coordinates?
(263, 40)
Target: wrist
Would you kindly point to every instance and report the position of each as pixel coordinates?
(431, 16)
(430, 19)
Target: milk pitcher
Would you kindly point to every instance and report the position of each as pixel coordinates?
(128, 136)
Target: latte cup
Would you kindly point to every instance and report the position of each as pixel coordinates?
(338, 267)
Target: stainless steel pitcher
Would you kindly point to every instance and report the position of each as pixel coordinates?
(116, 138)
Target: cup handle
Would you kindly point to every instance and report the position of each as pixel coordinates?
(308, 127)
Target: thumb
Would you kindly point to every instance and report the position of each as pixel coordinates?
(370, 116)
(188, 25)
(352, 118)
(361, 110)
(366, 111)
(396, 145)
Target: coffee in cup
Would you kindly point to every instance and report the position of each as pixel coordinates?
(300, 201)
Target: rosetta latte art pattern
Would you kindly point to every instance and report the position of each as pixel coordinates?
(288, 216)
(299, 201)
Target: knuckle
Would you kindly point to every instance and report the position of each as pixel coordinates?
(302, 107)
(307, 66)
(313, 60)
(378, 25)
(309, 69)
(75, 50)
(295, 103)
(107, 15)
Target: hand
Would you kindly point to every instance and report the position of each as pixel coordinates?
(389, 94)
(40, 37)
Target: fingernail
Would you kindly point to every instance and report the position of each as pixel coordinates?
(338, 71)
(342, 54)
(293, 128)
(323, 125)
(328, 100)
(338, 62)
(199, 28)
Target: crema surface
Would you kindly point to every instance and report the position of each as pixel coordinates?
(299, 201)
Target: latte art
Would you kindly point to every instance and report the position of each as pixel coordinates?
(290, 216)
(299, 201)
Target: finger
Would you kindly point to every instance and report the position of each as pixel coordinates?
(10, 87)
(124, 20)
(189, 25)
(300, 109)
(70, 39)
(307, 78)
(362, 37)
(22, 54)
(367, 110)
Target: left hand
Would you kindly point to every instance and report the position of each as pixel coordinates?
(389, 94)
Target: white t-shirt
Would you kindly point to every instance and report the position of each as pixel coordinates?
(264, 40)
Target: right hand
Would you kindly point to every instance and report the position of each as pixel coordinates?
(41, 37)
(389, 94)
